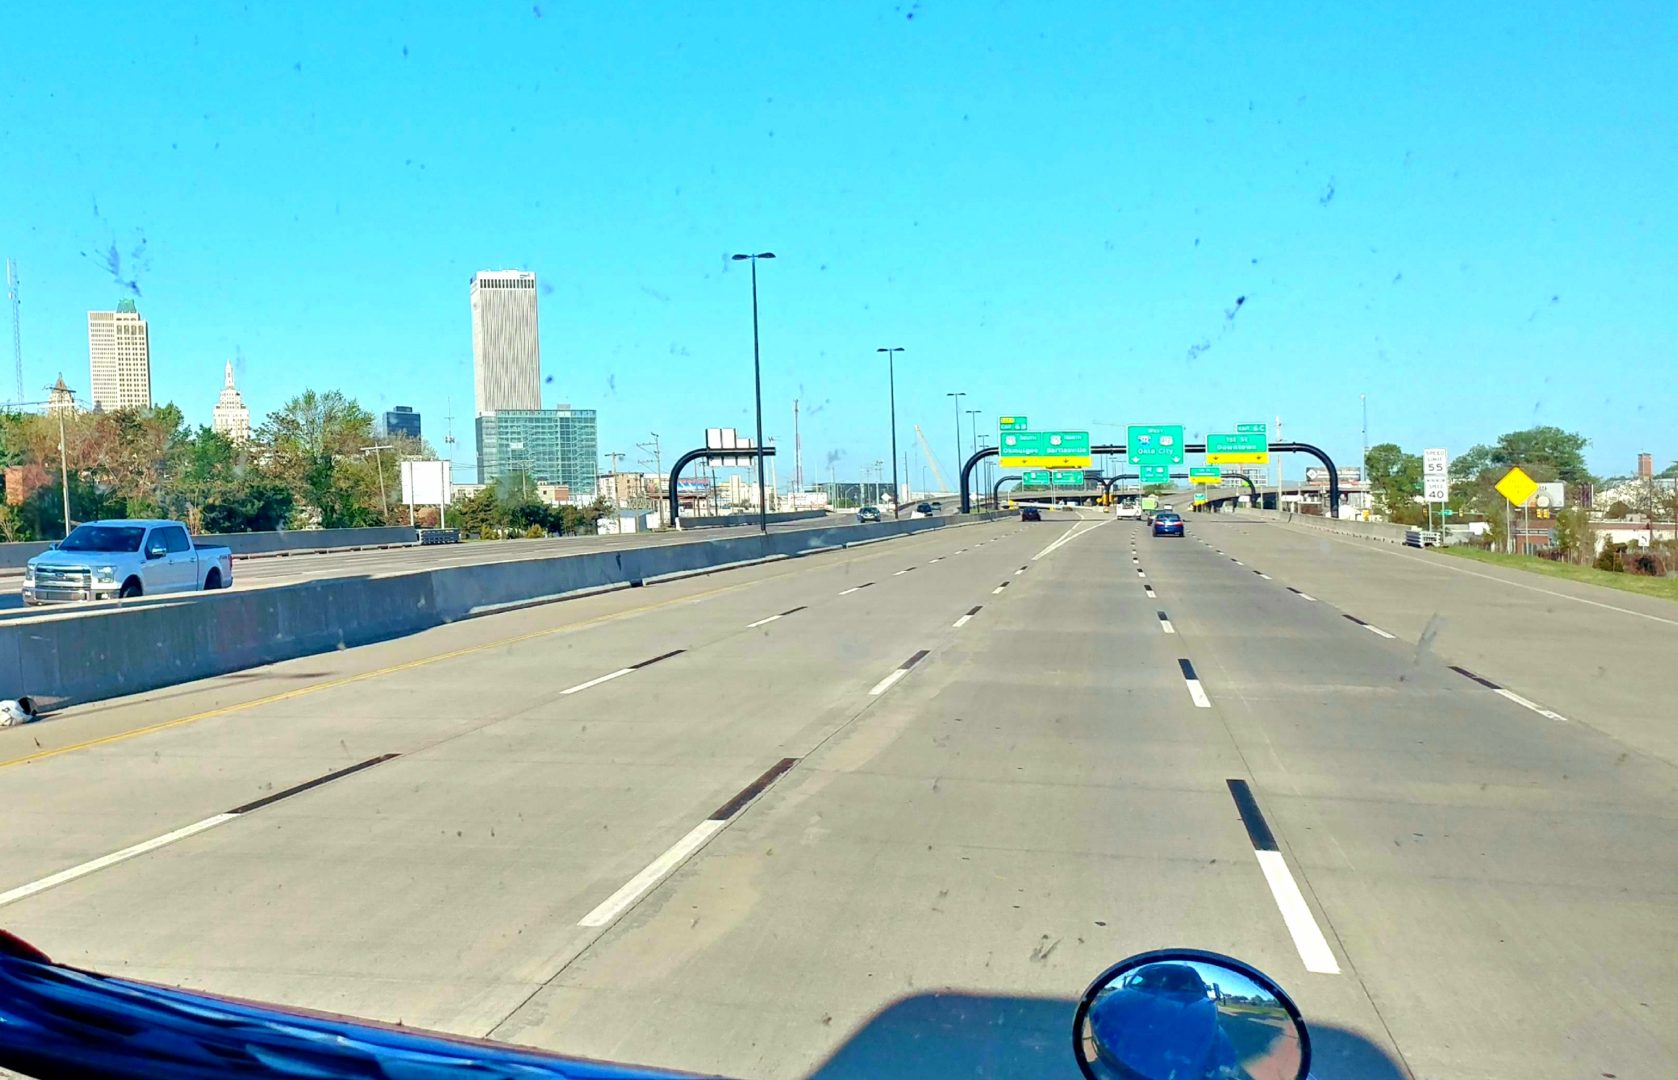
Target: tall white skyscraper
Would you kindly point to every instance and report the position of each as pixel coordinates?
(230, 416)
(506, 358)
(119, 358)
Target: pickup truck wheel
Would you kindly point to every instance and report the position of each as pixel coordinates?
(213, 581)
(130, 589)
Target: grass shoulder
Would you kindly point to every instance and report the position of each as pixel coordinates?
(1665, 588)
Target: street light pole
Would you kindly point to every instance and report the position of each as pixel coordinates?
(958, 395)
(1363, 465)
(891, 383)
(757, 383)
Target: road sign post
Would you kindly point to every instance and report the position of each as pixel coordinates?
(1241, 448)
(1518, 488)
(1206, 474)
(1154, 444)
(1436, 479)
(1045, 450)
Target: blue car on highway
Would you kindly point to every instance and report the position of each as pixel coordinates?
(1168, 523)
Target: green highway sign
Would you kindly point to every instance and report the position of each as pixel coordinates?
(1012, 423)
(1155, 474)
(1154, 444)
(1069, 478)
(1241, 449)
(1250, 429)
(1447, 512)
(1045, 450)
(1205, 474)
(1035, 478)
(1199, 498)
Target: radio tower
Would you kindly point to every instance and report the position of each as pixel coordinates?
(17, 326)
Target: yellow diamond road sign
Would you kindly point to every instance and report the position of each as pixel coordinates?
(1517, 486)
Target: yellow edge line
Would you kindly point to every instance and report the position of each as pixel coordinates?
(377, 673)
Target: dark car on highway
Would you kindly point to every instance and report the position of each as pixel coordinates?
(867, 514)
(1168, 523)
(1030, 513)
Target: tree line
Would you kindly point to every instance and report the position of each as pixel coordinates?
(1546, 453)
(308, 465)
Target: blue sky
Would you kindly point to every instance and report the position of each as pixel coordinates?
(1469, 216)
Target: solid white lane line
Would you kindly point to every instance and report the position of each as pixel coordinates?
(596, 682)
(886, 683)
(1533, 705)
(635, 887)
(113, 858)
(760, 622)
(1307, 935)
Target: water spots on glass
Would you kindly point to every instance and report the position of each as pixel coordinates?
(549, 379)
(663, 298)
(1328, 194)
(536, 10)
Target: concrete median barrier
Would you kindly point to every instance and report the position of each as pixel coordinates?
(71, 658)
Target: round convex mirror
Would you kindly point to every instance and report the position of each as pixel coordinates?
(1183, 1014)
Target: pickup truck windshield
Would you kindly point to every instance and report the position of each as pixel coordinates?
(104, 538)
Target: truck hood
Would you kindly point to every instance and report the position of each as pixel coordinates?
(78, 560)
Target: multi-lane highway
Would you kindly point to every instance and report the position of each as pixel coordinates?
(882, 812)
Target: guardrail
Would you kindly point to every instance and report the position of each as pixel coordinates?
(747, 519)
(439, 536)
(101, 654)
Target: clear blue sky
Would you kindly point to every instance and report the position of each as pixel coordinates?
(1466, 214)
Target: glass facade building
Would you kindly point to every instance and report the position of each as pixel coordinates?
(555, 446)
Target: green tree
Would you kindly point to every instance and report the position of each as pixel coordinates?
(315, 445)
(1544, 448)
(1574, 535)
(1395, 479)
(481, 512)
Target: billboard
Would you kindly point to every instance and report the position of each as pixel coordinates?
(426, 483)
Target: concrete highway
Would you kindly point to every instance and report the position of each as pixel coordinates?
(883, 812)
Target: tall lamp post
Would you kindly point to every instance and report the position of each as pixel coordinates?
(958, 395)
(757, 383)
(891, 384)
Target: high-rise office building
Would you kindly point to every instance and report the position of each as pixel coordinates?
(230, 416)
(119, 358)
(506, 357)
(400, 420)
(556, 446)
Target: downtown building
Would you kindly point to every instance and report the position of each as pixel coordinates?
(118, 359)
(230, 416)
(516, 436)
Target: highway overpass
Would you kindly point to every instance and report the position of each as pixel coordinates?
(883, 811)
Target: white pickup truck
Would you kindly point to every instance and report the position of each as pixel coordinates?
(124, 558)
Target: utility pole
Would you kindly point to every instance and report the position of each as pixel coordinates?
(614, 457)
(17, 324)
(658, 470)
(797, 456)
(757, 383)
(1278, 467)
(958, 395)
(379, 465)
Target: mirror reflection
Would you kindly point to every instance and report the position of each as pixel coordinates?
(1188, 1020)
